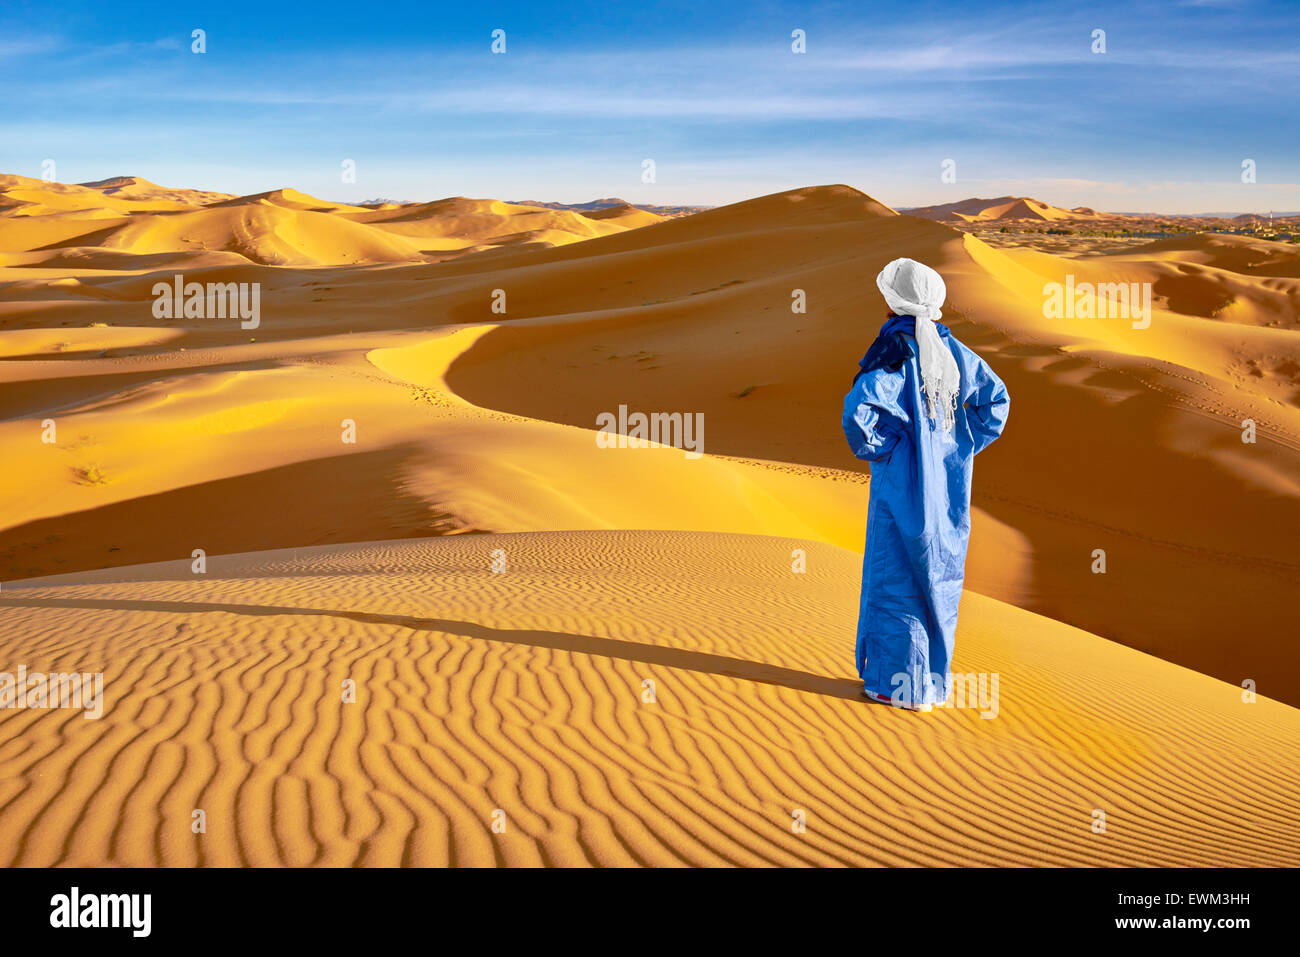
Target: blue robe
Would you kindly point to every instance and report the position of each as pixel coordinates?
(918, 518)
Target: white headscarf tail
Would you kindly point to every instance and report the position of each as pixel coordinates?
(914, 289)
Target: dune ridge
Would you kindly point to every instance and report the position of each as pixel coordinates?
(475, 430)
(131, 216)
(694, 314)
(1008, 208)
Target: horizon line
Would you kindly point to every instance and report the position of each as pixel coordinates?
(1218, 214)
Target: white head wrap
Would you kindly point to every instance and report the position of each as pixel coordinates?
(914, 289)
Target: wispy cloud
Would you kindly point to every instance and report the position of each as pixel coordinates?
(17, 47)
(881, 99)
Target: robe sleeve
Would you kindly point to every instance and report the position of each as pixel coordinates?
(874, 418)
(987, 404)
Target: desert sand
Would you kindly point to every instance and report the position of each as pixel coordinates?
(521, 690)
(1005, 208)
(1025, 223)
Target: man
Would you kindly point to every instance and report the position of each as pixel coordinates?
(921, 406)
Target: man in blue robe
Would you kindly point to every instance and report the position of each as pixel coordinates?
(922, 405)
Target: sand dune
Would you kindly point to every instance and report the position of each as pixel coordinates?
(23, 196)
(1006, 208)
(598, 206)
(459, 225)
(625, 215)
(264, 232)
(691, 315)
(1220, 287)
(1134, 413)
(135, 187)
(95, 224)
(522, 692)
(194, 433)
(290, 199)
(1242, 254)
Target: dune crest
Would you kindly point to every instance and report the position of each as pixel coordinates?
(1006, 208)
(104, 220)
(521, 690)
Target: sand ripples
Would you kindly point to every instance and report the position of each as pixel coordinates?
(518, 697)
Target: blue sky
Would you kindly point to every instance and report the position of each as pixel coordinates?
(711, 92)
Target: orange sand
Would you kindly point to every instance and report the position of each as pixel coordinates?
(520, 690)
(523, 691)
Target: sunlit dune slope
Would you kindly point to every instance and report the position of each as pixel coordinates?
(135, 187)
(1121, 441)
(624, 215)
(92, 225)
(262, 232)
(290, 199)
(610, 698)
(464, 225)
(1006, 208)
